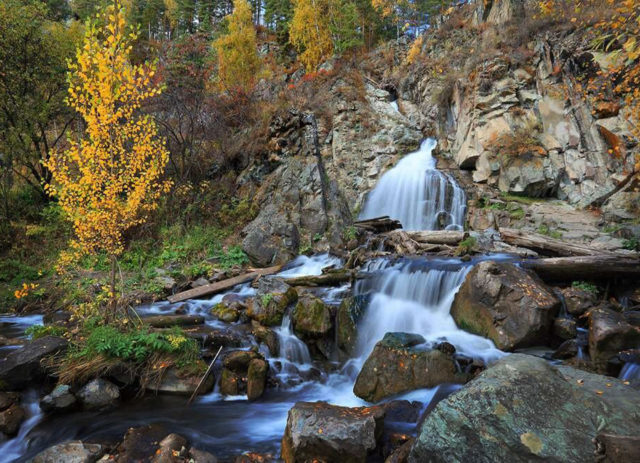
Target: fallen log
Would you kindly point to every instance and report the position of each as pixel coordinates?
(213, 288)
(450, 237)
(546, 245)
(331, 278)
(600, 267)
(165, 321)
(378, 225)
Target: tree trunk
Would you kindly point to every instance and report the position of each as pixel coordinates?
(546, 245)
(601, 267)
(113, 303)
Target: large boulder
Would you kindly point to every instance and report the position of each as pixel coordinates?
(609, 333)
(523, 409)
(268, 308)
(99, 394)
(22, 367)
(70, 452)
(507, 304)
(403, 362)
(322, 432)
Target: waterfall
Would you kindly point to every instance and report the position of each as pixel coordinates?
(418, 195)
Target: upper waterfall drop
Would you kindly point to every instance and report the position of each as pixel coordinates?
(418, 195)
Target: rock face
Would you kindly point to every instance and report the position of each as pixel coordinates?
(506, 304)
(21, 367)
(402, 362)
(70, 452)
(322, 432)
(609, 333)
(523, 409)
(99, 394)
(295, 182)
(244, 371)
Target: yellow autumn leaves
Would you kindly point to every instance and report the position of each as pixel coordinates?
(112, 177)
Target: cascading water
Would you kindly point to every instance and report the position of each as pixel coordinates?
(415, 296)
(418, 195)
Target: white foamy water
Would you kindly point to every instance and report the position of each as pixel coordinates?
(418, 195)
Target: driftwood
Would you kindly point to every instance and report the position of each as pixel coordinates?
(584, 267)
(378, 225)
(331, 278)
(613, 449)
(213, 288)
(546, 245)
(165, 321)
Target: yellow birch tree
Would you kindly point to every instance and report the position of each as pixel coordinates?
(109, 179)
(237, 51)
(310, 32)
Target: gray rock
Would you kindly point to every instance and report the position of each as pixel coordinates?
(322, 432)
(564, 328)
(70, 452)
(61, 399)
(171, 446)
(522, 409)
(98, 394)
(200, 456)
(507, 304)
(173, 382)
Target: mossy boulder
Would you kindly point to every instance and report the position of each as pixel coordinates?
(225, 313)
(404, 362)
(524, 409)
(268, 309)
(244, 372)
(349, 313)
(507, 304)
(311, 317)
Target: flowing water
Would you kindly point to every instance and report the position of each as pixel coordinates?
(418, 195)
(410, 295)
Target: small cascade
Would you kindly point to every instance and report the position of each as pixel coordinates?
(418, 195)
(292, 348)
(582, 340)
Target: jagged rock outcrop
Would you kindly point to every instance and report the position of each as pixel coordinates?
(506, 304)
(523, 409)
(516, 116)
